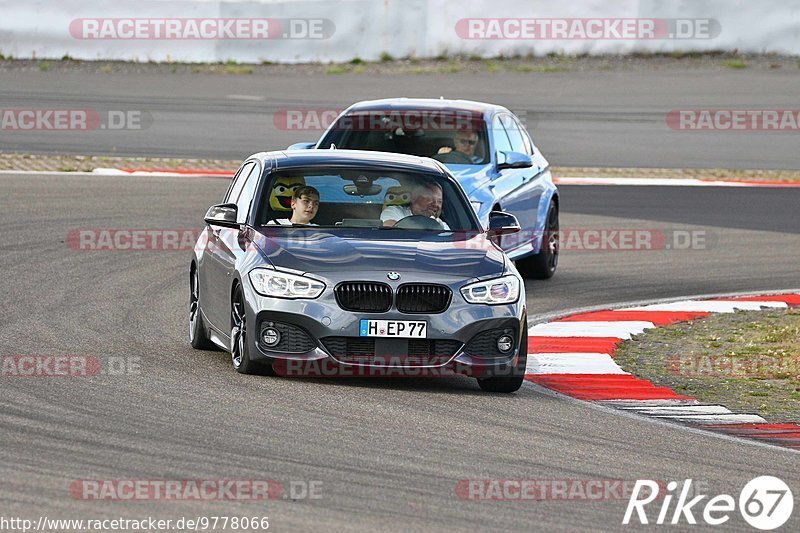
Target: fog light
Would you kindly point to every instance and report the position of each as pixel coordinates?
(270, 336)
(505, 343)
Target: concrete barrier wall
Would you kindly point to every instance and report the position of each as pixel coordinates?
(339, 30)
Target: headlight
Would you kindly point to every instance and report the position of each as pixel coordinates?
(282, 285)
(503, 290)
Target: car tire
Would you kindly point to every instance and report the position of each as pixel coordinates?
(198, 337)
(543, 265)
(240, 345)
(513, 382)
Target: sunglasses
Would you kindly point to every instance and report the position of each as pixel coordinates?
(468, 142)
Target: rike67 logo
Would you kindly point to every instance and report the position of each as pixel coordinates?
(765, 503)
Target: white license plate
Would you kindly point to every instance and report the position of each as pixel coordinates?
(404, 329)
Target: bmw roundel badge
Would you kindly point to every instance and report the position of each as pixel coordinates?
(393, 276)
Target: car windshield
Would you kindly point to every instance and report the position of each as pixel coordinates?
(358, 198)
(452, 137)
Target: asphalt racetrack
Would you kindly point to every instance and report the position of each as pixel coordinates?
(586, 119)
(385, 454)
(389, 453)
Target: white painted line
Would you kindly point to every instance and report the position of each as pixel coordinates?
(572, 363)
(246, 97)
(626, 404)
(109, 171)
(622, 329)
(716, 419)
(665, 182)
(673, 410)
(711, 306)
(152, 173)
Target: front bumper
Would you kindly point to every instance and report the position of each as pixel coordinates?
(322, 320)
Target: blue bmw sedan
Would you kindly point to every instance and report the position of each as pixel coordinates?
(487, 149)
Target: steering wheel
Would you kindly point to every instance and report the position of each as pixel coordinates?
(418, 222)
(454, 157)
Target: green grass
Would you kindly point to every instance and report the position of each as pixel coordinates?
(105, 69)
(238, 69)
(451, 68)
(417, 70)
(549, 68)
(735, 64)
(522, 68)
(746, 361)
(356, 61)
(386, 57)
(44, 66)
(337, 69)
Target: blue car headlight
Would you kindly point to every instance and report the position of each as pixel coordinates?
(503, 290)
(269, 282)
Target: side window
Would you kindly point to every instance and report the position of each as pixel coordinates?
(238, 183)
(246, 195)
(526, 138)
(501, 142)
(515, 134)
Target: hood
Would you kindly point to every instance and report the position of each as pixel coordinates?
(471, 177)
(463, 255)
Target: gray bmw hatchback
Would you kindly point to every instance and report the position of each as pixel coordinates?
(367, 263)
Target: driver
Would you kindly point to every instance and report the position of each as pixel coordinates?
(426, 200)
(465, 142)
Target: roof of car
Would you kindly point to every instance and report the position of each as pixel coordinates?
(425, 103)
(352, 158)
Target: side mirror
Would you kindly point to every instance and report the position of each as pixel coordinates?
(222, 215)
(515, 160)
(501, 223)
(302, 146)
